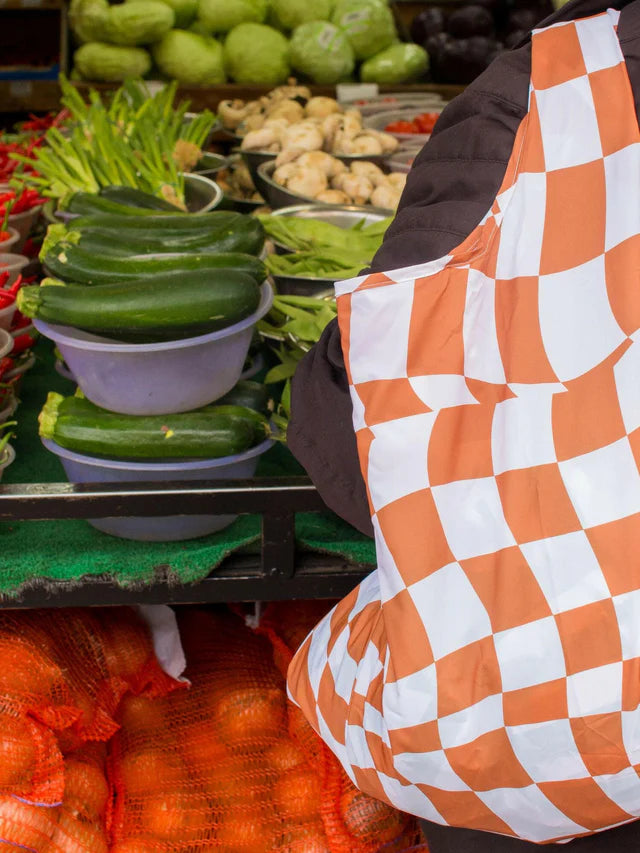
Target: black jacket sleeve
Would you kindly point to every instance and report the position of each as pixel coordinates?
(451, 186)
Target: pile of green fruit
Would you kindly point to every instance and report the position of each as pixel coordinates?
(206, 42)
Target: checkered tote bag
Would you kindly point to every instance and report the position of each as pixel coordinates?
(487, 674)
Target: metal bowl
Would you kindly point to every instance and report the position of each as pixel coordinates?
(201, 194)
(344, 216)
(254, 159)
(277, 196)
(210, 164)
(424, 101)
(380, 120)
(289, 285)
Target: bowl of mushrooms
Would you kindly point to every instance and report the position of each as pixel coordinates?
(316, 176)
(288, 128)
(239, 189)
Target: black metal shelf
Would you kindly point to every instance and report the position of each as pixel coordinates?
(280, 572)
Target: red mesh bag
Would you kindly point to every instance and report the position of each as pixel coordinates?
(62, 677)
(229, 765)
(354, 822)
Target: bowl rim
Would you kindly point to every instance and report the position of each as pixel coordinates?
(66, 334)
(7, 456)
(6, 342)
(156, 467)
(262, 171)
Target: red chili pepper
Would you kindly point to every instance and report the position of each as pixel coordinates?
(400, 127)
(22, 343)
(6, 364)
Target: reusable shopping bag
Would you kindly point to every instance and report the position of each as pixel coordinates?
(487, 674)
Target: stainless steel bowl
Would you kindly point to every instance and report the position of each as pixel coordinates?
(254, 159)
(344, 216)
(298, 286)
(210, 164)
(201, 194)
(277, 196)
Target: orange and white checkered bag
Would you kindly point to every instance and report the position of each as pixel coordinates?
(487, 675)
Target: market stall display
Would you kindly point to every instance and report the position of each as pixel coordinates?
(360, 184)
(206, 42)
(136, 140)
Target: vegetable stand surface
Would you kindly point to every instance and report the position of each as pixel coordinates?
(285, 544)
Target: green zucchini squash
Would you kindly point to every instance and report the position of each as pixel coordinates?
(237, 234)
(208, 433)
(253, 395)
(166, 307)
(74, 264)
(88, 204)
(175, 222)
(136, 198)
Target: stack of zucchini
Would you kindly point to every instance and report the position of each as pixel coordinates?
(132, 268)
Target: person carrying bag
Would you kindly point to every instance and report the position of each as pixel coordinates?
(486, 676)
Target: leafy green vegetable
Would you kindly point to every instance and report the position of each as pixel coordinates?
(304, 234)
(221, 16)
(138, 22)
(133, 141)
(184, 10)
(110, 62)
(190, 58)
(291, 13)
(295, 323)
(399, 63)
(370, 27)
(254, 53)
(88, 19)
(322, 52)
(321, 263)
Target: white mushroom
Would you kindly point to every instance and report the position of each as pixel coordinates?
(338, 180)
(389, 143)
(307, 182)
(322, 161)
(283, 173)
(352, 122)
(289, 91)
(251, 122)
(385, 196)
(320, 107)
(357, 187)
(330, 126)
(333, 197)
(364, 143)
(232, 113)
(288, 155)
(304, 135)
(369, 170)
(277, 125)
(292, 111)
(259, 140)
(397, 180)
(242, 176)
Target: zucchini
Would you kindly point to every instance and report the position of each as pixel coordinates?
(238, 234)
(191, 223)
(136, 198)
(87, 204)
(208, 433)
(253, 395)
(166, 307)
(74, 264)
